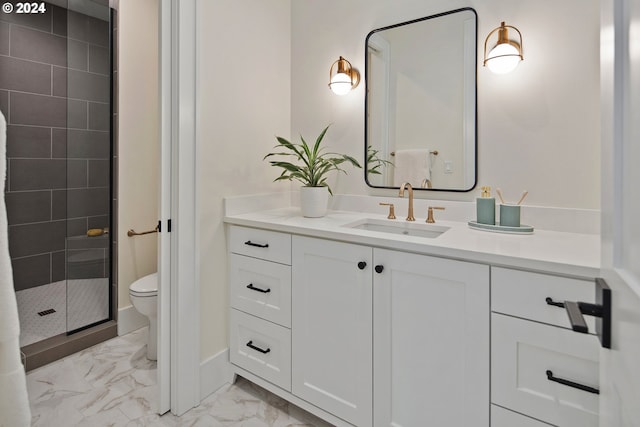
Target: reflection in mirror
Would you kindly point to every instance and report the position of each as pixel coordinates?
(420, 107)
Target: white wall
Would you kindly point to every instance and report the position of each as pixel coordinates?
(538, 127)
(263, 71)
(138, 151)
(243, 86)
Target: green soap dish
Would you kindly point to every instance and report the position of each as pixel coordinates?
(523, 229)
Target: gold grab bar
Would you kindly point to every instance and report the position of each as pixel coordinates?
(132, 232)
(434, 152)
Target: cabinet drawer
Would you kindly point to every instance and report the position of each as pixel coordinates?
(261, 288)
(261, 347)
(523, 294)
(501, 417)
(263, 244)
(521, 354)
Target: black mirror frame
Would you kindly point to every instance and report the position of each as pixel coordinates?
(366, 102)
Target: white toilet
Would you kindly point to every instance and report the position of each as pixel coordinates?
(144, 297)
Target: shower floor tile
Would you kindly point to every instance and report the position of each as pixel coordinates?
(87, 302)
(33, 327)
(77, 303)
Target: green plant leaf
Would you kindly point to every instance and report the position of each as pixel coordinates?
(316, 162)
(316, 146)
(374, 162)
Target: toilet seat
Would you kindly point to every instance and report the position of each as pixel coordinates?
(146, 286)
(143, 294)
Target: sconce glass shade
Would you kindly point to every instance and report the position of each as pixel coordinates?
(343, 77)
(505, 56)
(340, 84)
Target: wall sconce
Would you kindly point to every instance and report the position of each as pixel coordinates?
(343, 77)
(506, 54)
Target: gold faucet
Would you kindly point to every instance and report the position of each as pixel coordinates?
(410, 216)
(426, 183)
(392, 211)
(430, 218)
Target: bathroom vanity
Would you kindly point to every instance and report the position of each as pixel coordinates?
(366, 321)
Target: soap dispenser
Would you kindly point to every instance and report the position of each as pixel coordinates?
(486, 207)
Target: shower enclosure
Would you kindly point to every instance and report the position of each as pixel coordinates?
(56, 91)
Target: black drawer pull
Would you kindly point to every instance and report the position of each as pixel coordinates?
(568, 383)
(253, 288)
(362, 265)
(379, 268)
(554, 303)
(250, 345)
(257, 245)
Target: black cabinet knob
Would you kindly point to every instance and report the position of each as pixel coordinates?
(379, 268)
(362, 265)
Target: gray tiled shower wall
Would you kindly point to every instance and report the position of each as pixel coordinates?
(55, 92)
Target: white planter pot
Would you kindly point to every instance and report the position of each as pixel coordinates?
(314, 201)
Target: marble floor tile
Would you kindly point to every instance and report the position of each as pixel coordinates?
(114, 384)
(110, 418)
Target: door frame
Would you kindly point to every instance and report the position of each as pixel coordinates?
(179, 314)
(619, 63)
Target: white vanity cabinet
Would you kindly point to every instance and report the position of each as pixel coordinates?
(365, 335)
(331, 327)
(539, 366)
(430, 341)
(429, 318)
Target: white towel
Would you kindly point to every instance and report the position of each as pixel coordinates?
(411, 166)
(14, 402)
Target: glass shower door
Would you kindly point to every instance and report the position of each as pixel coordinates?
(56, 93)
(89, 163)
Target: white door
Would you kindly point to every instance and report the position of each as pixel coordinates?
(178, 306)
(620, 81)
(164, 242)
(331, 327)
(430, 341)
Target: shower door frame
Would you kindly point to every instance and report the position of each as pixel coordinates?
(56, 347)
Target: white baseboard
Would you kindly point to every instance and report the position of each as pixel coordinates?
(129, 320)
(214, 373)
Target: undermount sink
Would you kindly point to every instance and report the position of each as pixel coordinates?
(400, 227)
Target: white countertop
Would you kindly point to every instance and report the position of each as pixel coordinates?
(571, 254)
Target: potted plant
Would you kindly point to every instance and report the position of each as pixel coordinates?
(310, 166)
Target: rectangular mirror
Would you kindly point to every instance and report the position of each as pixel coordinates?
(420, 103)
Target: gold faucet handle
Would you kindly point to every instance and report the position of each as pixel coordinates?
(392, 210)
(430, 219)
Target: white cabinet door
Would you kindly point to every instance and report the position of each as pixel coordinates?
(431, 341)
(331, 327)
